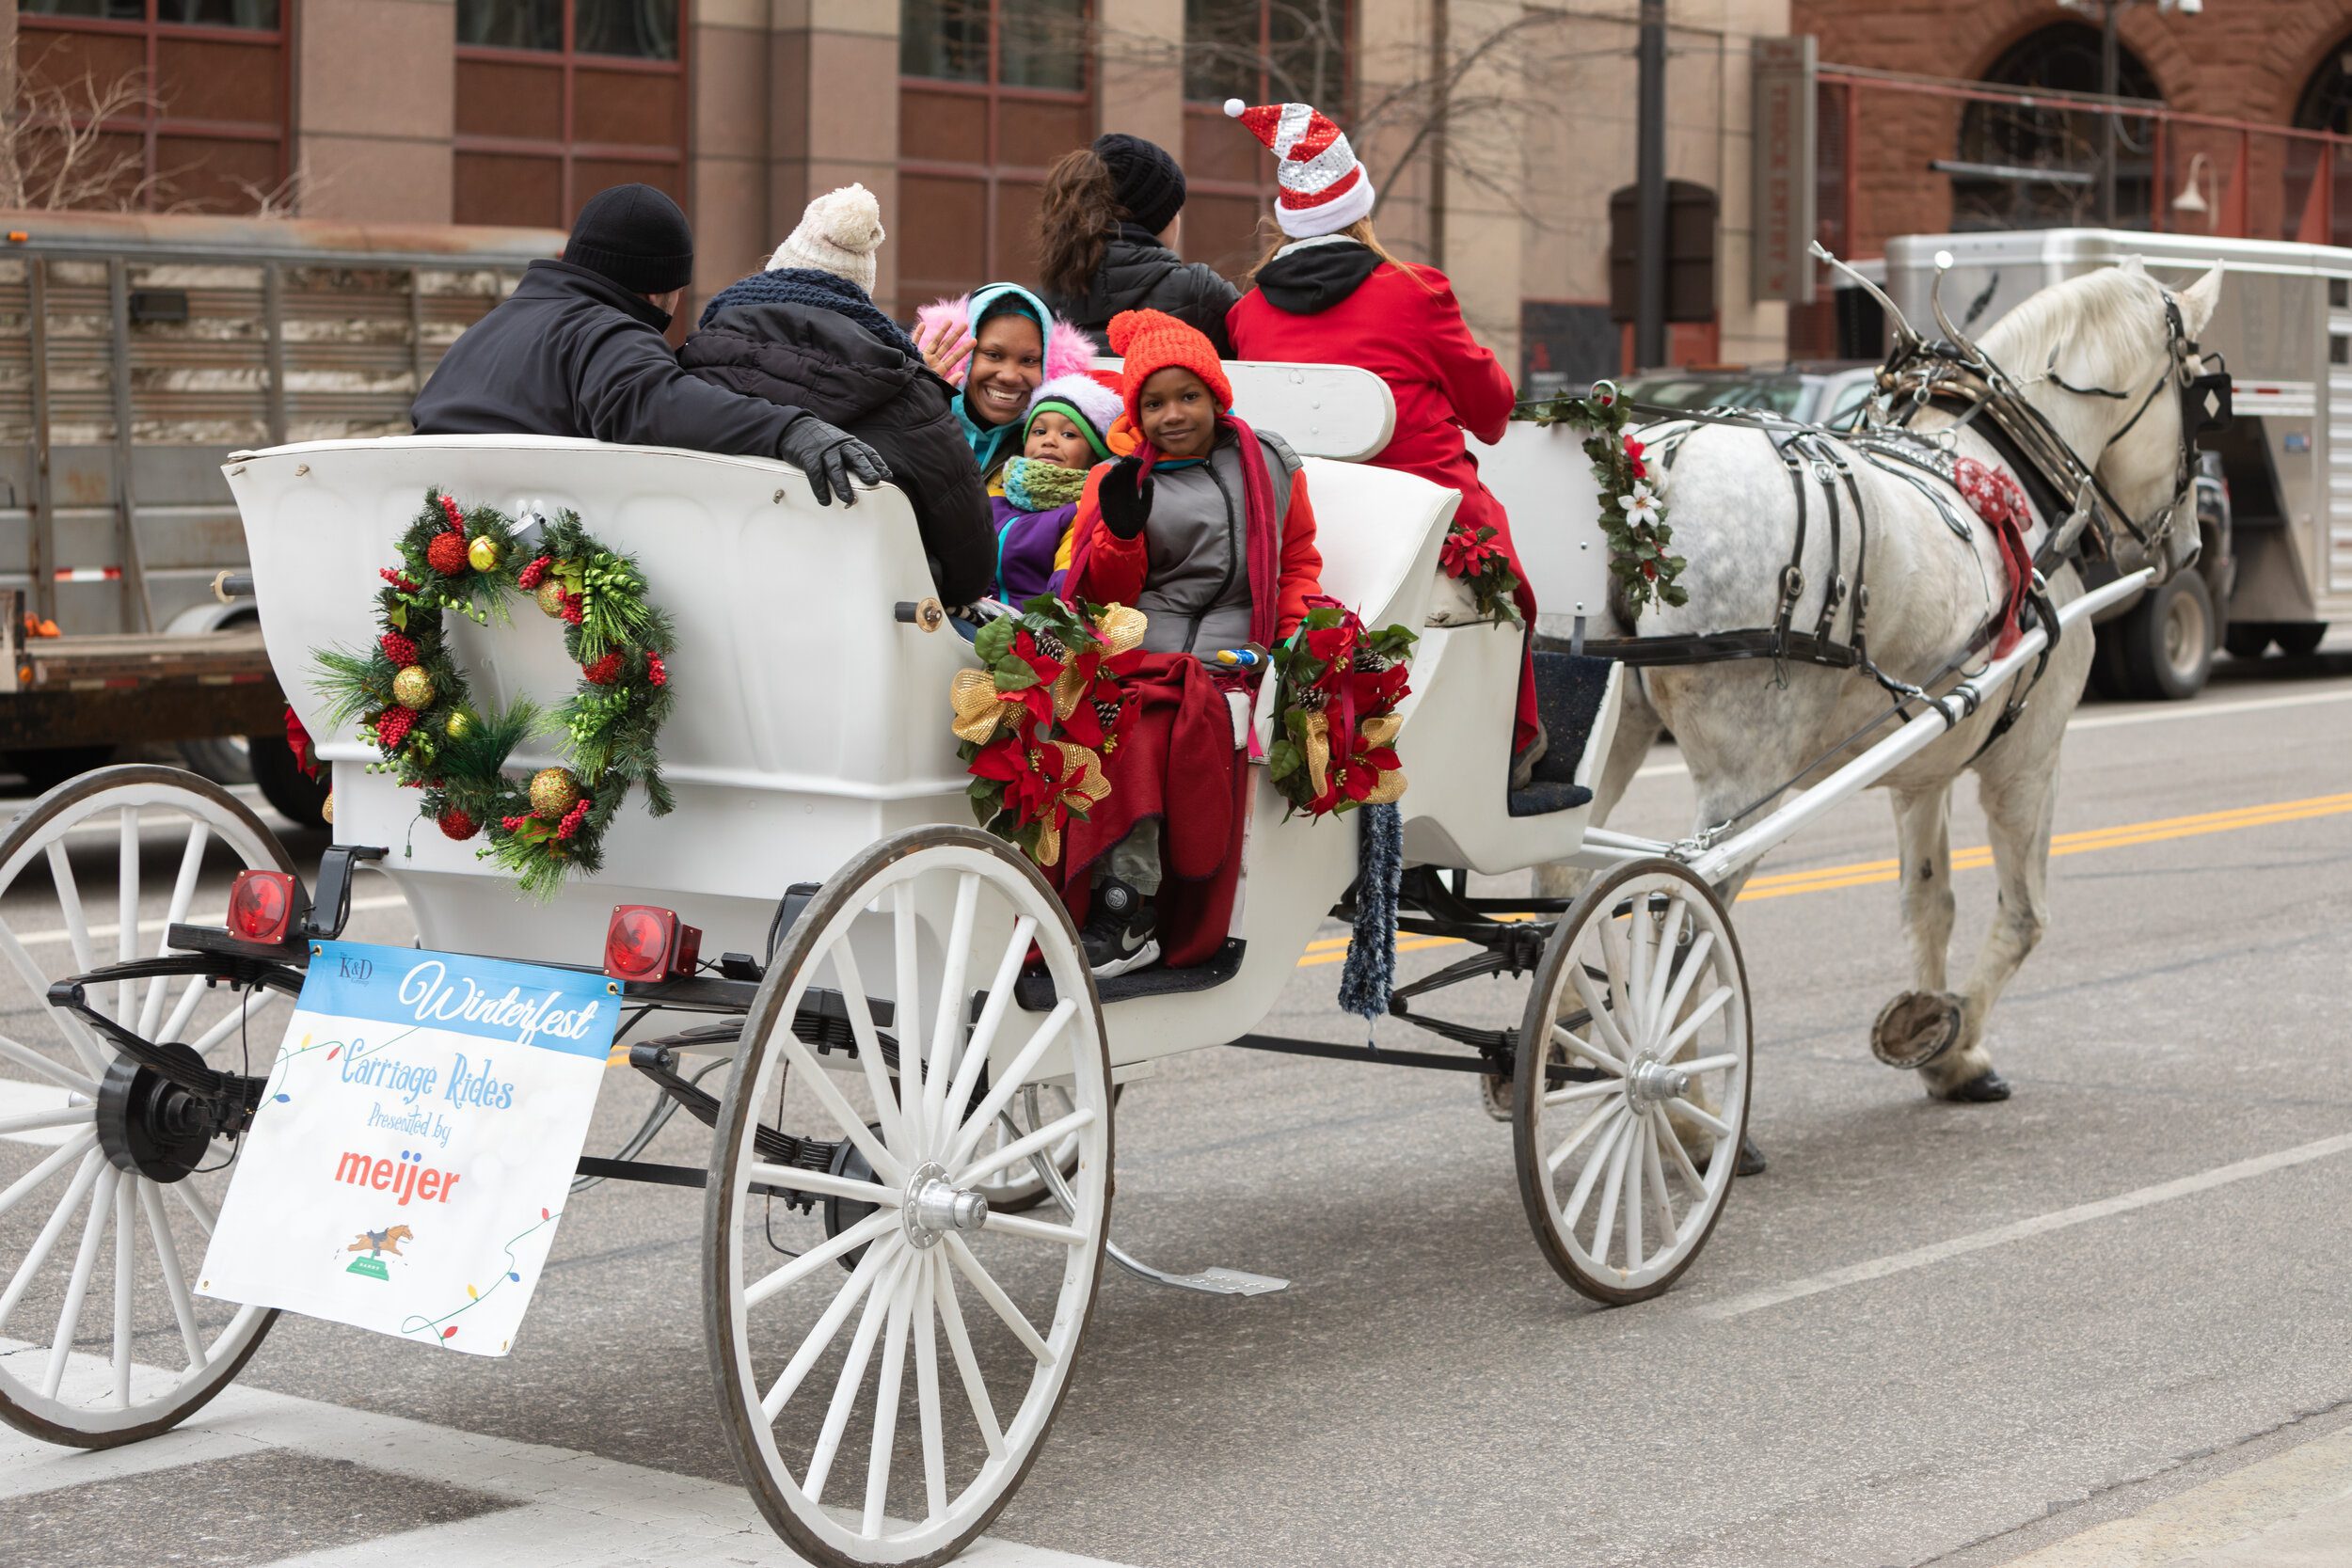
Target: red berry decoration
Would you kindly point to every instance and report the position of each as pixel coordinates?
(457, 519)
(655, 672)
(575, 608)
(514, 824)
(392, 726)
(399, 648)
(398, 579)
(605, 671)
(456, 824)
(573, 818)
(446, 554)
(531, 576)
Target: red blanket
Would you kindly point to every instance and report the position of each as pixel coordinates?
(1174, 761)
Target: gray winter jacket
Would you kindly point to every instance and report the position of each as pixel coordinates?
(1197, 600)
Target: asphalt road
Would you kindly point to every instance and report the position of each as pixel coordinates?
(1931, 1332)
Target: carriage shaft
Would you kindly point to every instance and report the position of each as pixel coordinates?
(1743, 849)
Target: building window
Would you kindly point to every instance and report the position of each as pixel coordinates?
(2036, 166)
(190, 97)
(559, 99)
(2326, 105)
(991, 92)
(1261, 52)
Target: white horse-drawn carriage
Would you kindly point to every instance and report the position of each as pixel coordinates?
(907, 1195)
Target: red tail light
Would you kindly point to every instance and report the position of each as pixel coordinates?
(643, 942)
(263, 906)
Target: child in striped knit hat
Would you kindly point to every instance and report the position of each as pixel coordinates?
(1036, 496)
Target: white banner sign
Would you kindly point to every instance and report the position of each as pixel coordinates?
(415, 1145)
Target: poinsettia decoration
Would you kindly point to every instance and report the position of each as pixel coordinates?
(1474, 556)
(1633, 505)
(1340, 684)
(1037, 719)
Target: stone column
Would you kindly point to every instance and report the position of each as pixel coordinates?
(831, 69)
(376, 87)
(728, 81)
(1483, 215)
(1139, 70)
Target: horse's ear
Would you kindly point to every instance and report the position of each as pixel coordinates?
(2133, 265)
(2199, 299)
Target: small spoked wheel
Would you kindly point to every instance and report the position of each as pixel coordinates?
(107, 1196)
(920, 1290)
(1632, 1086)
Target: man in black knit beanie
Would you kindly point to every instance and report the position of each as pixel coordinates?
(577, 349)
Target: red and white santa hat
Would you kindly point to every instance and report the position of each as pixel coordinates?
(1325, 187)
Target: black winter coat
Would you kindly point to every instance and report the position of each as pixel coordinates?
(1141, 274)
(572, 353)
(821, 361)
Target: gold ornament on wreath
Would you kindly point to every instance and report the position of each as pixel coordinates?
(410, 701)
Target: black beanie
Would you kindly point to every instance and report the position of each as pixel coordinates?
(1144, 179)
(636, 236)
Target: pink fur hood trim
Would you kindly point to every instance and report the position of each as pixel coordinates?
(1068, 349)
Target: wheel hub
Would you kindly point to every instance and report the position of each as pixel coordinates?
(1654, 1082)
(150, 1126)
(936, 1206)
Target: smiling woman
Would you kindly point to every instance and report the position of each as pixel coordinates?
(996, 344)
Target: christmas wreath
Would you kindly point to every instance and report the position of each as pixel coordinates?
(1341, 683)
(1037, 719)
(1632, 512)
(413, 705)
(1471, 555)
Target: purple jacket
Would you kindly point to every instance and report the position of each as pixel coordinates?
(1025, 545)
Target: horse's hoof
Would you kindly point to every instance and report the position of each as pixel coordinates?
(1751, 1158)
(1986, 1088)
(1916, 1028)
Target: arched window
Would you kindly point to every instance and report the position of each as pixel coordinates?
(2037, 167)
(2326, 105)
(2326, 100)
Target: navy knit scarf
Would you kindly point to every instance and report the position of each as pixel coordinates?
(818, 291)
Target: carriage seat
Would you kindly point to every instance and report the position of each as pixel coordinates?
(1568, 692)
(1379, 531)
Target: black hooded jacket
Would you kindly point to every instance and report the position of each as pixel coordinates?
(572, 353)
(1141, 274)
(816, 359)
(1310, 281)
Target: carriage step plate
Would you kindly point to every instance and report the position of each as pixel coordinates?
(1212, 1282)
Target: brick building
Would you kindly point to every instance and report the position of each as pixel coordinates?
(515, 111)
(2231, 80)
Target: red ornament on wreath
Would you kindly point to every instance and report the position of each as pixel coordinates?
(456, 824)
(605, 671)
(446, 554)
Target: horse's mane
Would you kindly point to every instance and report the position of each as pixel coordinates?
(2099, 324)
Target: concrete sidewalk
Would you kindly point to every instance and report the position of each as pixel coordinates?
(2292, 1510)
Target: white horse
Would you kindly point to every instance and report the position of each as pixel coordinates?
(1746, 736)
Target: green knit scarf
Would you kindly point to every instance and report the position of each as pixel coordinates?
(1034, 485)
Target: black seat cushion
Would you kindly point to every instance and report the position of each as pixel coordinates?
(1568, 689)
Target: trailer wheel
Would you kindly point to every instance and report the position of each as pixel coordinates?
(2297, 639)
(2164, 647)
(283, 783)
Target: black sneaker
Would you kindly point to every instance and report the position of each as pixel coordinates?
(1122, 932)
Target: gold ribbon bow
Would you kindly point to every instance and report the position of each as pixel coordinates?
(1083, 786)
(1378, 731)
(978, 708)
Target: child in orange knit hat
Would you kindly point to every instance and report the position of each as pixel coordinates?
(1203, 525)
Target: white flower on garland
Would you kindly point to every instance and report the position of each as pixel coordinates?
(1640, 507)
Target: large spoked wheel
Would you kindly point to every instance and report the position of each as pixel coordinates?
(103, 1211)
(1632, 1086)
(972, 1315)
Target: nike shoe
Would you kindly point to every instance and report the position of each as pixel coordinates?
(1121, 932)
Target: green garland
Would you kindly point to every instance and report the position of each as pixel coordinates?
(1633, 514)
(413, 704)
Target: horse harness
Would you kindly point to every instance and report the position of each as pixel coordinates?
(2079, 510)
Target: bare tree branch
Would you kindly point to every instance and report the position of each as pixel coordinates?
(55, 146)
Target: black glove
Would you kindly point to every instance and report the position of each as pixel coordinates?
(827, 456)
(1126, 498)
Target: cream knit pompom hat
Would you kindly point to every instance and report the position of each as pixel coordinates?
(839, 234)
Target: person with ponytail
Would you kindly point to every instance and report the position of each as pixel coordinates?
(1107, 233)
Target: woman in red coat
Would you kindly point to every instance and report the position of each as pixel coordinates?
(1331, 295)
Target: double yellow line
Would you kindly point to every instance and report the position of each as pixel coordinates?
(1862, 873)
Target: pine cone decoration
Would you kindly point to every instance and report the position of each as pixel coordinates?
(446, 554)
(392, 726)
(1105, 712)
(1309, 700)
(457, 824)
(1369, 662)
(1050, 646)
(605, 671)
